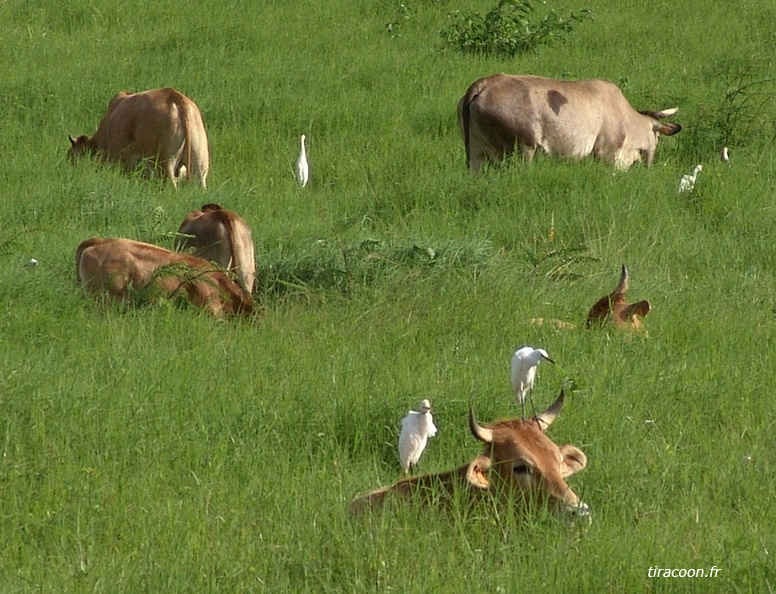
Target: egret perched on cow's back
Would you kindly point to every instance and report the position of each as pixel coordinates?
(524, 363)
(302, 166)
(687, 183)
(416, 428)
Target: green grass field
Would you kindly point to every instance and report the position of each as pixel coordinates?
(155, 449)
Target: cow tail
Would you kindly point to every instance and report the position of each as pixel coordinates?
(471, 94)
(238, 247)
(183, 110)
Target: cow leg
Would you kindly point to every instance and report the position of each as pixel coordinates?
(476, 158)
(132, 158)
(528, 151)
(168, 168)
(171, 157)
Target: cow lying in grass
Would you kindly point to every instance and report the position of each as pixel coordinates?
(615, 308)
(610, 309)
(123, 267)
(518, 461)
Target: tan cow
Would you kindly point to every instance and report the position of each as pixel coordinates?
(119, 266)
(223, 237)
(566, 118)
(519, 461)
(161, 127)
(615, 308)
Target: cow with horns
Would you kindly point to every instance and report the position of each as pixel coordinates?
(567, 118)
(518, 460)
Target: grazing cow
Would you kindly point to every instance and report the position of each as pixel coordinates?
(223, 237)
(566, 118)
(614, 307)
(162, 127)
(120, 265)
(519, 460)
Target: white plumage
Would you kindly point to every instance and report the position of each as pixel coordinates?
(416, 428)
(724, 154)
(523, 368)
(687, 183)
(302, 166)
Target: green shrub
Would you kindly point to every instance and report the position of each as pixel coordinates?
(509, 28)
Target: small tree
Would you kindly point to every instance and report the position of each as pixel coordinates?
(509, 28)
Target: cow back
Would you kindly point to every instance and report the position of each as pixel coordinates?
(223, 237)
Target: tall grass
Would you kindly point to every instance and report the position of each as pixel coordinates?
(154, 448)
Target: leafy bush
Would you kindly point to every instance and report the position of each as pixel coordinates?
(341, 267)
(738, 111)
(508, 28)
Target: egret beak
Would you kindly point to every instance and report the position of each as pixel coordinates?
(548, 359)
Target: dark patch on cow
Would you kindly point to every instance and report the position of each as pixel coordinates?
(556, 100)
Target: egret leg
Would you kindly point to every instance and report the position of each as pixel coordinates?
(522, 408)
(535, 416)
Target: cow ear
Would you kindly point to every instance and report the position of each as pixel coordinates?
(477, 472)
(574, 460)
(642, 308)
(669, 129)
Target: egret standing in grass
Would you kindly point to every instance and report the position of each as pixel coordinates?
(724, 154)
(302, 166)
(416, 428)
(524, 363)
(687, 183)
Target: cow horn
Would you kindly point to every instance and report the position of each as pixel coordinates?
(622, 286)
(548, 416)
(72, 140)
(481, 433)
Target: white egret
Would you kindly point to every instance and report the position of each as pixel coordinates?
(724, 154)
(302, 166)
(416, 428)
(524, 363)
(31, 263)
(687, 183)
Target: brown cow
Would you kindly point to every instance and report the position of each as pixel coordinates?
(223, 237)
(519, 460)
(614, 307)
(162, 127)
(120, 265)
(567, 118)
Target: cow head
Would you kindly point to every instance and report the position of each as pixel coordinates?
(614, 307)
(520, 458)
(656, 128)
(82, 145)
